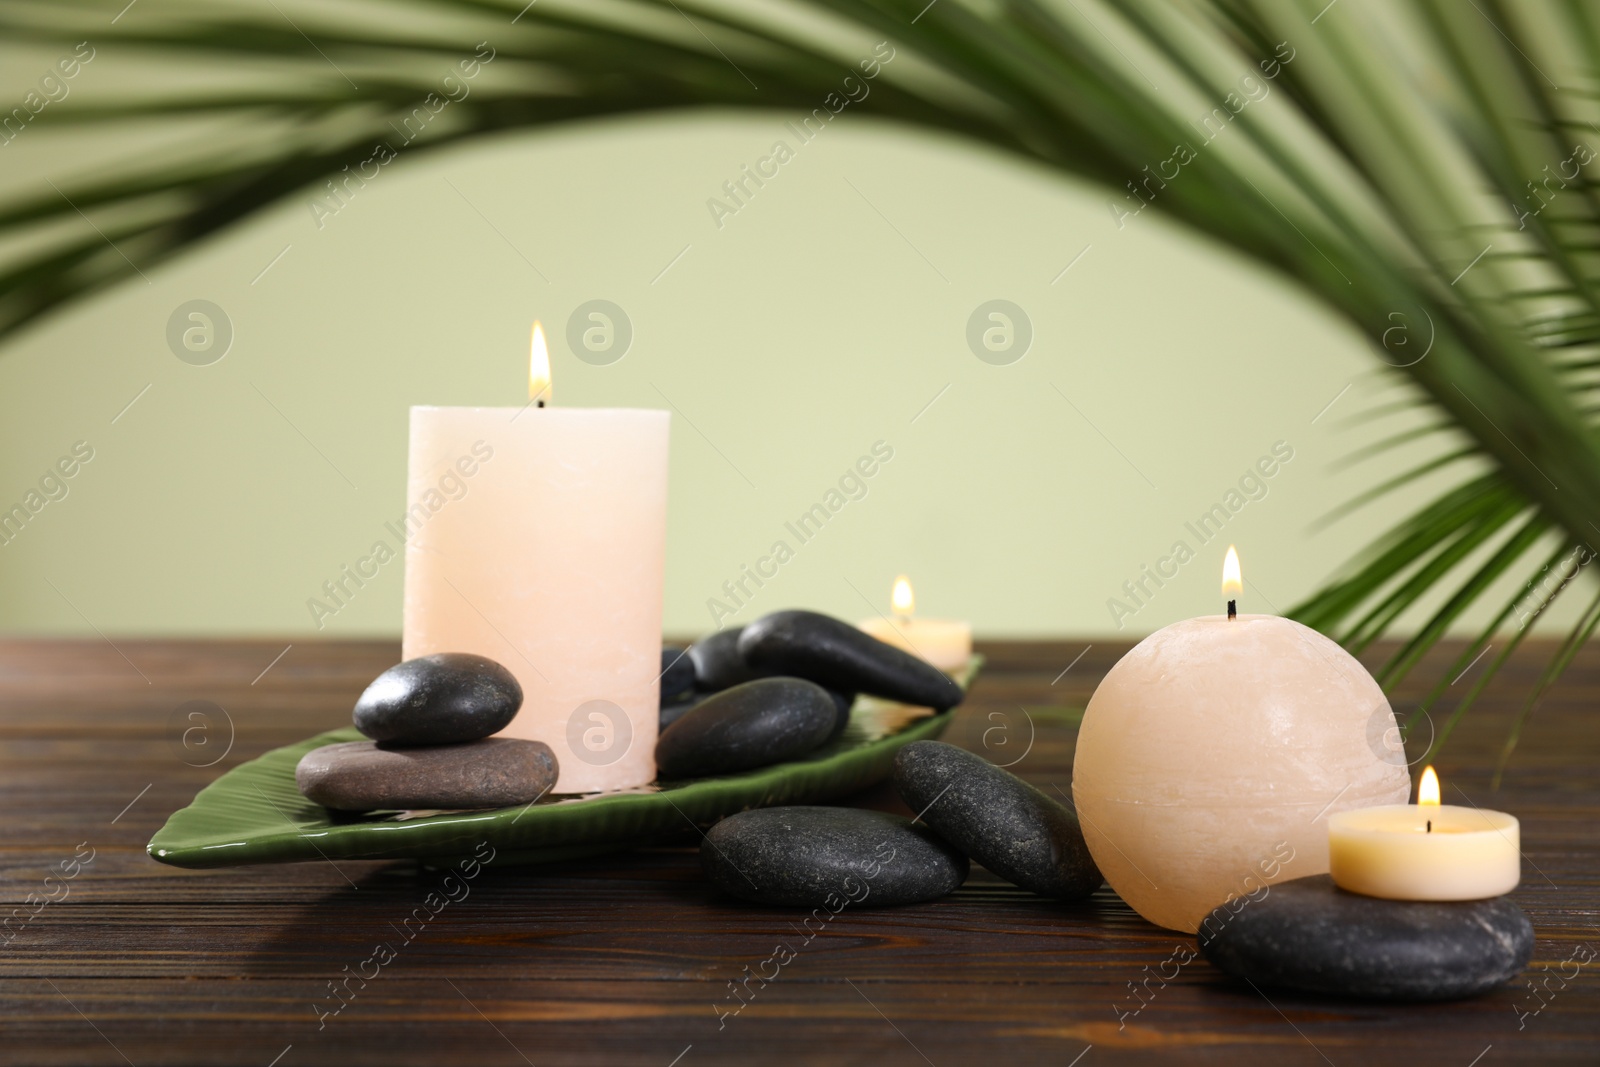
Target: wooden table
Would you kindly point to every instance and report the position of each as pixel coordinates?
(625, 960)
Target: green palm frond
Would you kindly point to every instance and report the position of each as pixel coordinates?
(1418, 166)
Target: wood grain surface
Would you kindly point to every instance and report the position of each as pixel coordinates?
(629, 959)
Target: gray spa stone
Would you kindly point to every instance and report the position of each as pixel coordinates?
(751, 725)
(1310, 935)
(497, 772)
(443, 699)
(811, 857)
(837, 655)
(1019, 833)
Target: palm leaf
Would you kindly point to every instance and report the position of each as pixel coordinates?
(1395, 164)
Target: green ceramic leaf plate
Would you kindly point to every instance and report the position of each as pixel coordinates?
(255, 814)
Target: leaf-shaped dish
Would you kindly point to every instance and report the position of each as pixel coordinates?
(255, 814)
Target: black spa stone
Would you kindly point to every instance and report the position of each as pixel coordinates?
(751, 725)
(843, 702)
(837, 655)
(671, 713)
(717, 663)
(677, 676)
(444, 699)
(833, 858)
(1310, 935)
(1013, 829)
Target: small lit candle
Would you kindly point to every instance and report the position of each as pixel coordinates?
(1426, 850)
(945, 643)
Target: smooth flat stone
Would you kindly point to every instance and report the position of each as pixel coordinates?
(832, 858)
(717, 663)
(442, 699)
(677, 675)
(1310, 935)
(839, 656)
(497, 772)
(1013, 829)
(751, 725)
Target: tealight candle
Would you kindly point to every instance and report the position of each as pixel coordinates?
(1426, 850)
(536, 536)
(945, 643)
(1211, 754)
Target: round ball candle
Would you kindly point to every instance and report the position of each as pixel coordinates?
(1426, 850)
(1212, 753)
(945, 643)
(536, 536)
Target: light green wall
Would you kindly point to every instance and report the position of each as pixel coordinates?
(823, 317)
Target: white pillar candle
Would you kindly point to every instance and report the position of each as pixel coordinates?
(945, 643)
(1212, 754)
(1426, 850)
(536, 537)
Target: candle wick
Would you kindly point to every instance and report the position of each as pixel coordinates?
(1430, 826)
(538, 403)
(1233, 609)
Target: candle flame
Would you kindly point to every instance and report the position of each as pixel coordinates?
(1428, 789)
(539, 367)
(902, 599)
(1232, 580)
